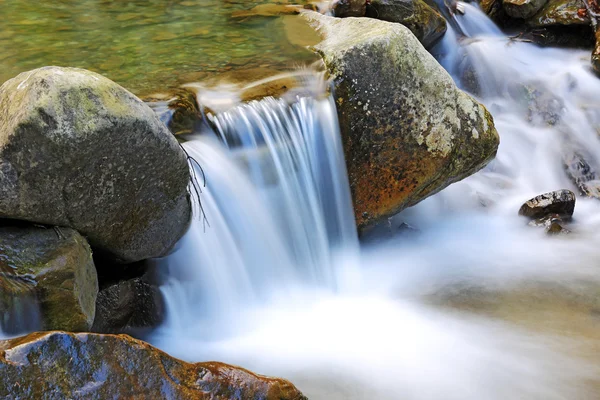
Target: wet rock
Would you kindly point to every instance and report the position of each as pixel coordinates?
(581, 173)
(522, 8)
(596, 52)
(93, 366)
(561, 12)
(408, 132)
(553, 224)
(78, 150)
(422, 20)
(179, 110)
(560, 202)
(131, 306)
(54, 268)
(349, 8)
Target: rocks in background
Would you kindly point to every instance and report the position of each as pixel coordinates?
(78, 150)
(52, 267)
(564, 12)
(87, 365)
(422, 20)
(349, 8)
(560, 202)
(408, 132)
(522, 8)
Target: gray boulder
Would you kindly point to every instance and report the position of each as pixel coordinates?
(408, 131)
(78, 150)
(52, 267)
(422, 20)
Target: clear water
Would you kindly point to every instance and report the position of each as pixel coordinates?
(475, 305)
(144, 45)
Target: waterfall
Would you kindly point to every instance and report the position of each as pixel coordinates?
(474, 305)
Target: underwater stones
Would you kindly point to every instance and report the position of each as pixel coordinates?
(88, 365)
(349, 8)
(51, 266)
(560, 202)
(422, 20)
(408, 132)
(522, 8)
(78, 150)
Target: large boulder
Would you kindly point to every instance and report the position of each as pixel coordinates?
(561, 12)
(422, 20)
(59, 365)
(78, 150)
(52, 267)
(408, 132)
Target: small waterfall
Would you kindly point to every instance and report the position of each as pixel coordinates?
(277, 205)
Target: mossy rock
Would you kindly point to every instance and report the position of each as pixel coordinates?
(561, 12)
(52, 267)
(178, 110)
(422, 20)
(78, 150)
(408, 132)
(59, 365)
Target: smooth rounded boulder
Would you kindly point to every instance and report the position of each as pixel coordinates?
(408, 131)
(61, 365)
(78, 150)
(47, 279)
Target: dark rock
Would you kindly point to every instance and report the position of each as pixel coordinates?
(78, 150)
(179, 110)
(553, 224)
(407, 130)
(349, 8)
(522, 8)
(422, 20)
(59, 365)
(52, 267)
(560, 202)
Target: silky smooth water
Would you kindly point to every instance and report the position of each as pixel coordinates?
(473, 305)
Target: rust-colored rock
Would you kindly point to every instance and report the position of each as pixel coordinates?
(59, 365)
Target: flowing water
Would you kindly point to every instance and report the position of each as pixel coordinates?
(473, 305)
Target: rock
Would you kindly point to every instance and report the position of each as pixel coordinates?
(522, 8)
(579, 170)
(93, 366)
(408, 132)
(561, 12)
(552, 223)
(349, 8)
(422, 20)
(179, 110)
(130, 306)
(55, 267)
(268, 10)
(78, 150)
(596, 52)
(560, 202)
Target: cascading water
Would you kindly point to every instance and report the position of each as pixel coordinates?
(477, 305)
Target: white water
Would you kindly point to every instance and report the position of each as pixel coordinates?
(477, 305)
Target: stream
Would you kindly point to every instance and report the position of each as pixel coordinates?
(470, 304)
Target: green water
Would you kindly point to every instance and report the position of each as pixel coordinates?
(145, 45)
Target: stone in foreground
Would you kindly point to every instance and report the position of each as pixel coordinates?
(560, 202)
(408, 131)
(422, 20)
(52, 267)
(78, 150)
(61, 365)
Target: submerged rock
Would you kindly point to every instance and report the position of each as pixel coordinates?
(349, 8)
(408, 132)
(422, 20)
(522, 8)
(54, 268)
(560, 202)
(78, 150)
(93, 366)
